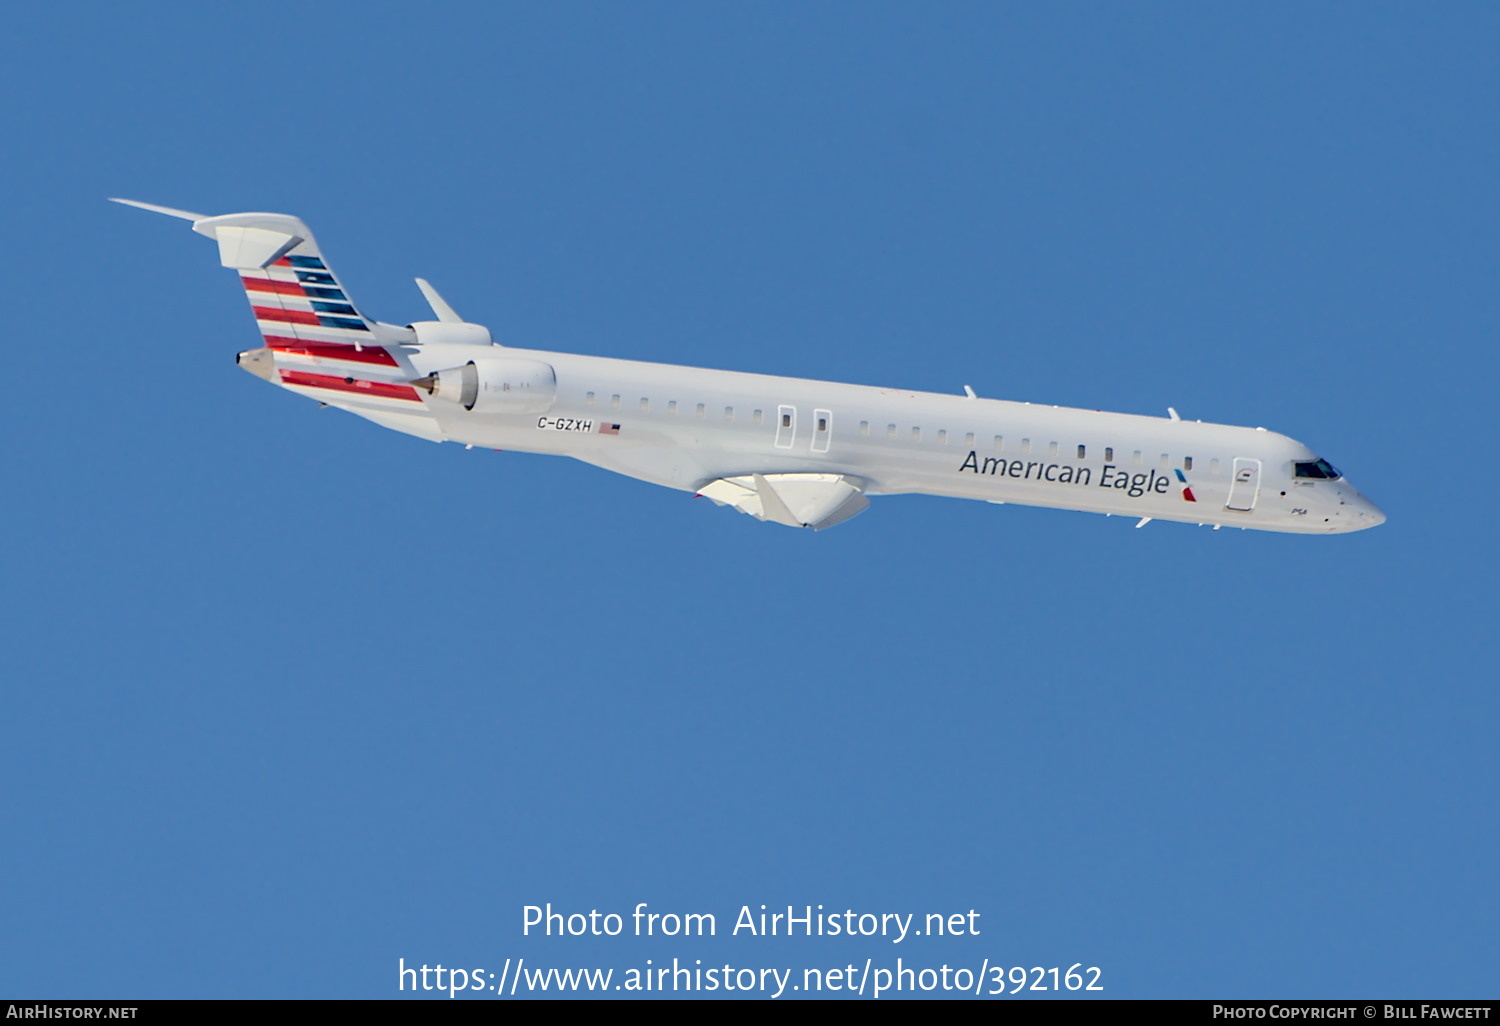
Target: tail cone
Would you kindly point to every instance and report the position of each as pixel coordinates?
(260, 362)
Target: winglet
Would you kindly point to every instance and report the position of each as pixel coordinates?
(186, 215)
(439, 305)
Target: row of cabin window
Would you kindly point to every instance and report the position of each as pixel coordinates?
(700, 411)
(757, 417)
(1052, 447)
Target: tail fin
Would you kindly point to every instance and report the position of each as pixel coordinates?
(295, 296)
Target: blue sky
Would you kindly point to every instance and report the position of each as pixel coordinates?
(287, 697)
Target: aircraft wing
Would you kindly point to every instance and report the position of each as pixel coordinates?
(796, 500)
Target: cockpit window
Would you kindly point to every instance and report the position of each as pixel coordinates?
(1320, 470)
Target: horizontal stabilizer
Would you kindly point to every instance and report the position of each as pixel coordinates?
(252, 249)
(186, 215)
(294, 294)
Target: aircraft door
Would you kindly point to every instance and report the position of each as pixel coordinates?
(1245, 486)
(822, 430)
(786, 426)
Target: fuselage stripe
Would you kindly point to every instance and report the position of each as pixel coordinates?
(332, 351)
(337, 384)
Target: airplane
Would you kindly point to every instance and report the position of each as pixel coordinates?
(789, 451)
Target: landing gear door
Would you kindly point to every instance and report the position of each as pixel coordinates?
(1245, 487)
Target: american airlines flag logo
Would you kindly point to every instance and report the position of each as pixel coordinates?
(1187, 490)
(609, 429)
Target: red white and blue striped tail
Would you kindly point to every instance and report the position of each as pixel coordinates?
(299, 303)
(297, 297)
(317, 342)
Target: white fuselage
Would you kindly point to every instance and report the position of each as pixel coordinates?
(789, 450)
(684, 427)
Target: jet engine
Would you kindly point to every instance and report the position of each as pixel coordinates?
(495, 385)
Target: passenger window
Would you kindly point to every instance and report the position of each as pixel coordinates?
(890, 431)
(614, 401)
(1135, 457)
(645, 405)
(864, 428)
(943, 436)
(672, 407)
(698, 412)
(969, 439)
(1187, 463)
(1080, 452)
(1213, 466)
(728, 413)
(589, 398)
(1166, 461)
(786, 420)
(822, 423)
(1051, 448)
(1109, 454)
(1000, 442)
(1025, 447)
(756, 416)
(916, 434)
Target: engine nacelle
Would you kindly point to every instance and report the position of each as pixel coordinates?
(495, 385)
(460, 333)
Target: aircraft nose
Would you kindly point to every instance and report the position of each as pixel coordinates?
(1366, 514)
(1351, 511)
